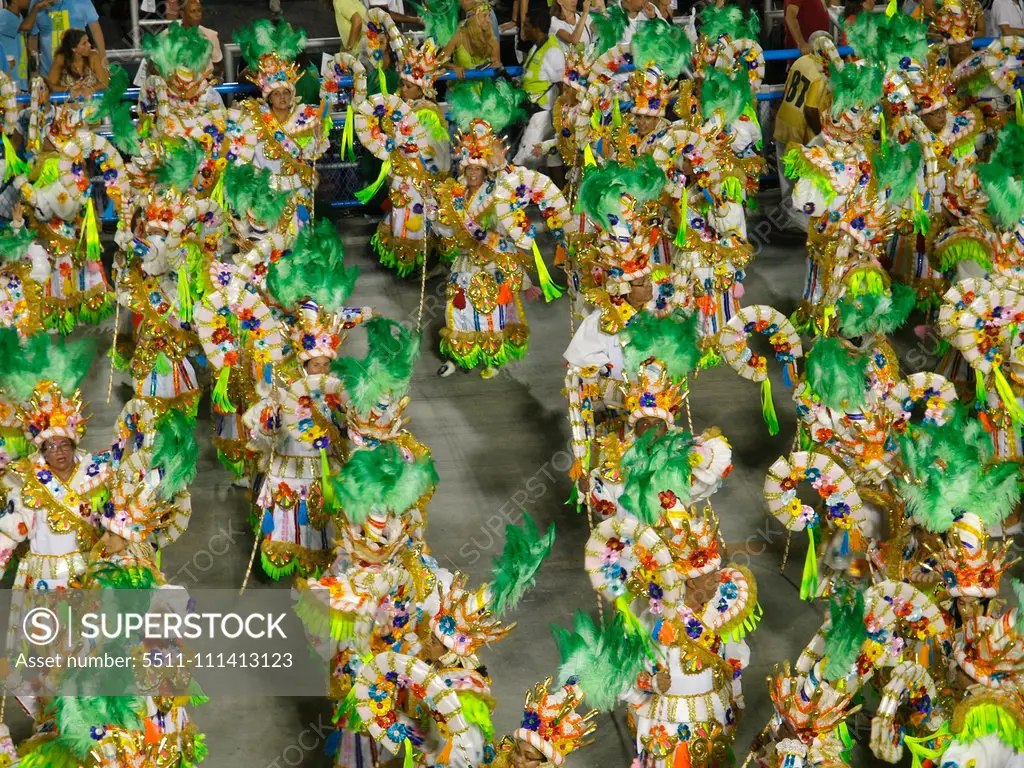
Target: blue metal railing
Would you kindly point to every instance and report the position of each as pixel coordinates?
(344, 176)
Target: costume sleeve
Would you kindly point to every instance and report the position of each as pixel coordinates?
(580, 390)
(262, 421)
(16, 522)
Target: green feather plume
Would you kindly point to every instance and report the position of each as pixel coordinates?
(730, 22)
(314, 269)
(609, 27)
(109, 575)
(180, 164)
(78, 715)
(854, 86)
(886, 40)
(603, 189)
(440, 19)
(14, 244)
(178, 47)
(515, 571)
(673, 339)
(797, 166)
(837, 376)
(175, 453)
(868, 313)
(264, 36)
(664, 45)
(125, 135)
(381, 481)
(47, 754)
(1002, 177)
(603, 660)
(387, 368)
(951, 471)
(846, 632)
(897, 167)
(731, 95)
(247, 189)
(40, 359)
(652, 467)
(497, 101)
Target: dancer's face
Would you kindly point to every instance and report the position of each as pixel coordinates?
(474, 175)
(281, 99)
(318, 365)
(59, 453)
(410, 91)
(527, 756)
(640, 292)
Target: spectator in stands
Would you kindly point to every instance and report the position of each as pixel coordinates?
(542, 78)
(1006, 18)
(803, 18)
(396, 9)
(57, 18)
(16, 21)
(798, 120)
(348, 15)
(571, 28)
(77, 66)
(475, 43)
(192, 16)
(637, 11)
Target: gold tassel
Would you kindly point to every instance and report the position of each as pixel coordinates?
(383, 80)
(768, 407)
(881, 117)
(616, 113)
(595, 119)
(891, 8)
(407, 761)
(184, 294)
(588, 156)
(547, 285)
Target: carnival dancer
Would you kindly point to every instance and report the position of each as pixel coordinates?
(482, 213)
(61, 212)
(403, 240)
(161, 278)
(296, 426)
(291, 136)
(257, 209)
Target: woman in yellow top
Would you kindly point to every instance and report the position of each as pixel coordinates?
(349, 16)
(474, 44)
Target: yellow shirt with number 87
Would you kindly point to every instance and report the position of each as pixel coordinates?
(804, 87)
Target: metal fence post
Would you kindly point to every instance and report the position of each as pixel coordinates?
(136, 31)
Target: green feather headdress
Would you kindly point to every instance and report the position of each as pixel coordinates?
(175, 453)
(664, 45)
(729, 21)
(380, 481)
(497, 101)
(14, 244)
(951, 471)
(854, 86)
(40, 359)
(674, 340)
(886, 40)
(609, 27)
(179, 165)
(603, 189)
(313, 269)
(837, 376)
(386, 369)
(440, 19)
(264, 37)
(897, 167)
(178, 48)
(247, 190)
(515, 571)
(604, 661)
(731, 95)
(870, 313)
(77, 716)
(653, 466)
(1002, 176)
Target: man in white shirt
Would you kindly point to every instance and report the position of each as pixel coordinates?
(1006, 17)
(542, 78)
(637, 11)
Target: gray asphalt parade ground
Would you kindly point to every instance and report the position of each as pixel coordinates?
(501, 450)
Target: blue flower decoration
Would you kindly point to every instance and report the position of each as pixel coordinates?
(44, 475)
(397, 732)
(531, 721)
(446, 625)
